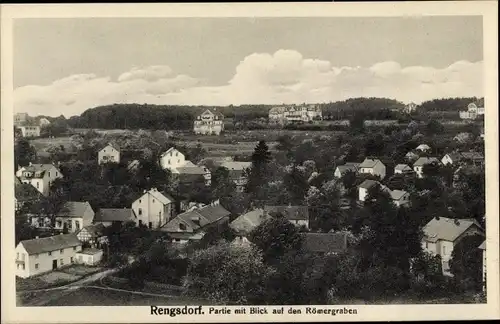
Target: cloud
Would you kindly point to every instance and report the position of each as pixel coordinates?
(282, 77)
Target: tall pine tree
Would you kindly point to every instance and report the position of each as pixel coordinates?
(257, 176)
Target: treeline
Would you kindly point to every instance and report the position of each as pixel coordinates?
(448, 104)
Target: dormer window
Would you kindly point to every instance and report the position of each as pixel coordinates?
(182, 227)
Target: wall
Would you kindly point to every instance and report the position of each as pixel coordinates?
(108, 154)
(362, 194)
(89, 259)
(176, 158)
(44, 260)
(152, 210)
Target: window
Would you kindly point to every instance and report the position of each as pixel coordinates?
(182, 227)
(178, 161)
(50, 253)
(38, 185)
(104, 151)
(18, 265)
(140, 211)
(36, 265)
(168, 161)
(140, 201)
(153, 201)
(58, 224)
(49, 173)
(70, 225)
(62, 261)
(56, 174)
(61, 251)
(77, 225)
(140, 222)
(150, 225)
(72, 260)
(24, 267)
(74, 248)
(444, 250)
(17, 256)
(177, 240)
(176, 154)
(426, 245)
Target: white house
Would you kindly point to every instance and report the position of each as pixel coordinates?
(341, 170)
(209, 123)
(109, 154)
(441, 235)
(172, 159)
(374, 167)
(39, 176)
(400, 198)
(418, 166)
(402, 169)
(423, 148)
(154, 208)
(29, 130)
(41, 255)
(473, 110)
(89, 256)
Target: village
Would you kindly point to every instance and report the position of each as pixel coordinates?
(403, 207)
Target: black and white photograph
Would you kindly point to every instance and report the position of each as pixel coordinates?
(246, 162)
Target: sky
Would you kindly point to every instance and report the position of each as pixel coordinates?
(68, 65)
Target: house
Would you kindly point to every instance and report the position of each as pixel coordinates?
(324, 243)
(374, 167)
(411, 156)
(295, 113)
(474, 110)
(191, 225)
(400, 198)
(237, 172)
(192, 174)
(41, 255)
(73, 215)
(402, 169)
(341, 170)
(423, 148)
(154, 208)
(93, 235)
(463, 137)
(469, 158)
(20, 118)
(110, 216)
(483, 248)
(297, 215)
(172, 159)
(89, 256)
(365, 186)
(442, 234)
(409, 108)
(39, 176)
(244, 224)
(29, 131)
(418, 166)
(209, 123)
(25, 195)
(109, 154)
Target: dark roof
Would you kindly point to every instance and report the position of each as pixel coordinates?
(90, 251)
(74, 209)
(213, 213)
(290, 212)
(367, 184)
(425, 160)
(191, 170)
(115, 215)
(52, 243)
(25, 192)
(369, 163)
(324, 242)
(447, 229)
(348, 166)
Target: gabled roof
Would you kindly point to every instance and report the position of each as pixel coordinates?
(39, 167)
(402, 167)
(94, 230)
(447, 229)
(367, 184)
(482, 246)
(213, 212)
(236, 165)
(74, 209)
(369, 163)
(348, 166)
(25, 192)
(290, 212)
(197, 218)
(161, 196)
(425, 160)
(115, 215)
(115, 146)
(454, 156)
(324, 242)
(49, 244)
(423, 147)
(170, 150)
(397, 194)
(213, 112)
(192, 170)
(245, 223)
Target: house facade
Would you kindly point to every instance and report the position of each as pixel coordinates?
(441, 235)
(423, 148)
(43, 122)
(154, 208)
(237, 172)
(295, 113)
(39, 176)
(29, 131)
(41, 255)
(474, 110)
(209, 123)
(73, 216)
(373, 167)
(172, 159)
(108, 154)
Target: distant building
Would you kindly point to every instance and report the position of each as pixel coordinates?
(41, 255)
(411, 156)
(209, 123)
(109, 154)
(341, 170)
(154, 208)
(409, 108)
(400, 198)
(418, 166)
(295, 113)
(29, 131)
(463, 137)
(297, 215)
(110, 216)
(91, 256)
(20, 118)
(441, 235)
(402, 169)
(73, 215)
(365, 187)
(474, 110)
(39, 176)
(247, 222)
(423, 148)
(374, 167)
